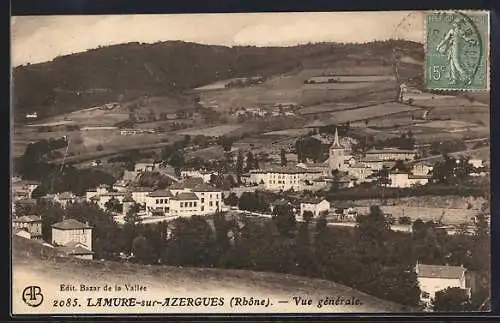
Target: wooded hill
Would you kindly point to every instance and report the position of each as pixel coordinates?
(128, 71)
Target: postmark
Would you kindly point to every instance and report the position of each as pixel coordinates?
(456, 50)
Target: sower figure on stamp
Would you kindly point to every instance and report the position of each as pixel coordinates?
(451, 45)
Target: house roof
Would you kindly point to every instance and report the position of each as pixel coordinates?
(358, 165)
(113, 194)
(285, 170)
(141, 189)
(75, 248)
(390, 151)
(65, 196)
(419, 176)
(190, 182)
(186, 196)
(435, 271)
(161, 193)
(26, 201)
(28, 218)
(312, 200)
(71, 224)
(26, 182)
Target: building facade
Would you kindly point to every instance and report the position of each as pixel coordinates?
(70, 231)
(284, 178)
(185, 200)
(432, 278)
(315, 206)
(29, 223)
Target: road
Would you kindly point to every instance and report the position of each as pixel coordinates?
(395, 227)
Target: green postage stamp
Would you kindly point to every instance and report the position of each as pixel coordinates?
(457, 50)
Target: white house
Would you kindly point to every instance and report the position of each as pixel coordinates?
(185, 199)
(22, 188)
(102, 199)
(477, 163)
(205, 175)
(145, 166)
(140, 194)
(316, 206)
(284, 178)
(400, 179)
(391, 154)
(71, 234)
(421, 168)
(359, 171)
(76, 249)
(65, 198)
(29, 223)
(432, 278)
(158, 202)
(120, 186)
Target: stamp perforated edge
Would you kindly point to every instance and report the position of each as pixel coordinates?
(487, 52)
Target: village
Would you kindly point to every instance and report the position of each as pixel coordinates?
(277, 159)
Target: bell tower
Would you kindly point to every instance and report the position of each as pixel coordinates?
(336, 154)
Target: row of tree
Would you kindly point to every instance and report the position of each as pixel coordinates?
(370, 257)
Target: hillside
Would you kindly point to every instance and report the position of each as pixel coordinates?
(128, 71)
(34, 262)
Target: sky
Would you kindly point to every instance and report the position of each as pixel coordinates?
(38, 39)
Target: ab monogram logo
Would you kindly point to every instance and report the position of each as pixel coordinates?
(32, 295)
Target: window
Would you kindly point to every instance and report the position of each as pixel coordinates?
(202, 200)
(190, 204)
(194, 204)
(210, 203)
(182, 204)
(210, 195)
(202, 208)
(217, 203)
(217, 196)
(157, 201)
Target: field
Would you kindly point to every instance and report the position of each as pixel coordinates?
(365, 113)
(290, 87)
(33, 262)
(352, 78)
(216, 131)
(450, 216)
(288, 132)
(331, 107)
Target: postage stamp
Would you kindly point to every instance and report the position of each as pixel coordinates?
(250, 164)
(457, 50)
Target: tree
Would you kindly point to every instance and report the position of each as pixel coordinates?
(250, 162)
(451, 299)
(232, 199)
(132, 218)
(143, 250)
(400, 166)
(191, 243)
(308, 215)
(113, 205)
(283, 157)
(285, 219)
(372, 231)
(226, 143)
(239, 166)
(256, 163)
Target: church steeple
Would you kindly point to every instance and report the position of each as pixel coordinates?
(336, 142)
